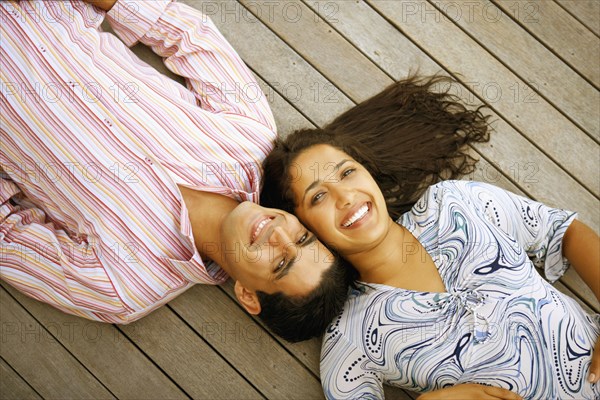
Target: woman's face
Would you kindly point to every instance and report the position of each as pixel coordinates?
(339, 200)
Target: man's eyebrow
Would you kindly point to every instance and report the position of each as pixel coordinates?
(317, 181)
(290, 264)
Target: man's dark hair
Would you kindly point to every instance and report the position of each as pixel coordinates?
(298, 318)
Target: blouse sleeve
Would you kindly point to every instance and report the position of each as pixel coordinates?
(535, 226)
(192, 47)
(346, 371)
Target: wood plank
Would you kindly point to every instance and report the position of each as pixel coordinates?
(250, 349)
(305, 88)
(506, 94)
(586, 11)
(533, 63)
(291, 22)
(104, 351)
(12, 386)
(186, 358)
(41, 361)
(560, 32)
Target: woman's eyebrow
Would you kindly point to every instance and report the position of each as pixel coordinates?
(317, 181)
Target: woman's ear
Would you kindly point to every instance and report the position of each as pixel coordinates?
(247, 298)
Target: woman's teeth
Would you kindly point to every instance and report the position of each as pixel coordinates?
(357, 215)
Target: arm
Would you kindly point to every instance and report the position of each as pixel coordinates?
(105, 5)
(193, 48)
(581, 246)
(40, 260)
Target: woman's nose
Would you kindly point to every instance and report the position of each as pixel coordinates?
(343, 198)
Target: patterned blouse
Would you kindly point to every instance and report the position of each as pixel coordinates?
(499, 322)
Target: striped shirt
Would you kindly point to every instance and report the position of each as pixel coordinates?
(94, 143)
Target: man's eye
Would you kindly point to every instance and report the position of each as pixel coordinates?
(303, 238)
(280, 265)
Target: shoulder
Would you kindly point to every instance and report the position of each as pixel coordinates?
(435, 196)
(466, 192)
(349, 322)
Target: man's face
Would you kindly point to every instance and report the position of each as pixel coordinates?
(269, 250)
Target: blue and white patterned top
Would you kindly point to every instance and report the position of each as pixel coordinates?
(500, 323)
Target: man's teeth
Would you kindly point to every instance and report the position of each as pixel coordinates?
(260, 227)
(357, 215)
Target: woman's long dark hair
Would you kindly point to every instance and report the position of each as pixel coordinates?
(408, 137)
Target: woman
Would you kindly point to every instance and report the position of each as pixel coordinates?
(448, 293)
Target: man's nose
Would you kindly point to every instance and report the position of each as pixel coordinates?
(281, 238)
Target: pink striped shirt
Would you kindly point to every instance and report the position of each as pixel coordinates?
(95, 142)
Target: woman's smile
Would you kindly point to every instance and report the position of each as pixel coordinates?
(357, 217)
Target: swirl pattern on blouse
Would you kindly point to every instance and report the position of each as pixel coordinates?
(499, 323)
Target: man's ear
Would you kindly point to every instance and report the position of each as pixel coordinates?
(247, 298)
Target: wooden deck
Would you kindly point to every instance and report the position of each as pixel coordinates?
(534, 63)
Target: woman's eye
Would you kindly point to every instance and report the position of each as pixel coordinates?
(347, 172)
(302, 239)
(317, 197)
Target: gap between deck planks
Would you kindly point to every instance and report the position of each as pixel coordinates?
(553, 26)
(585, 11)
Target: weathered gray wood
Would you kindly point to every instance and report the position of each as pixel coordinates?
(296, 25)
(505, 92)
(104, 351)
(560, 32)
(200, 371)
(305, 88)
(250, 349)
(527, 58)
(39, 359)
(587, 11)
(12, 386)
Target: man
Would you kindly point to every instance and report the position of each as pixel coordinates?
(120, 188)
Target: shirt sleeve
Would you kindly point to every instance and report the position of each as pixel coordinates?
(535, 226)
(193, 48)
(346, 372)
